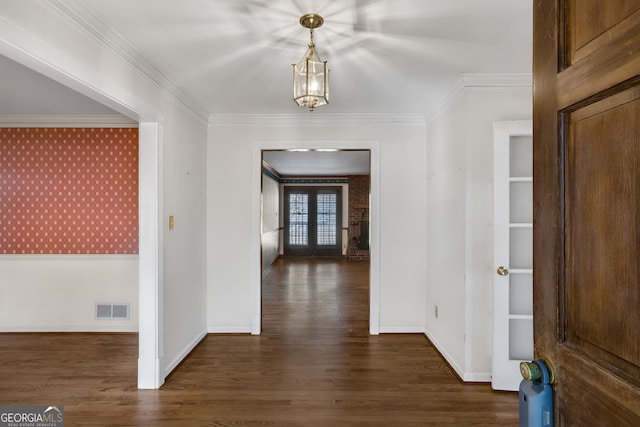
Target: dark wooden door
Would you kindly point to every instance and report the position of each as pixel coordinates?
(587, 206)
(313, 221)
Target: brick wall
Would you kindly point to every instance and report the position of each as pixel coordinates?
(359, 189)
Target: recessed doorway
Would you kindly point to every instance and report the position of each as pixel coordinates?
(297, 149)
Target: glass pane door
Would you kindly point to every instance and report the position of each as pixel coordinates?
(313, 221)
(326, 219)
(299, 219)
(513, 252)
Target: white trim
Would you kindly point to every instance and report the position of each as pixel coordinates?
(464, 82)
(256, 239)
(150, 347)
(374, 148)
(51, 121)
(447, 98)
(306, 119)
(452, 362)
(402, 329)
(374, 239)
(484, 377)
(477, 377)
(229, 330)
(110, 328)
(184, 353)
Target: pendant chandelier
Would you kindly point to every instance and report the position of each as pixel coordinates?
(311, 75)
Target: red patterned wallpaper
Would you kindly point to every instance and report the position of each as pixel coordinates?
(68, 191)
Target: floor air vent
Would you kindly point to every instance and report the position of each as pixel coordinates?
(105, 311)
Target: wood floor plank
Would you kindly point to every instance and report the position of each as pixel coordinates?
(315, 364)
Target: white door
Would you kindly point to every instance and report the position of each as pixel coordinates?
(513, 251)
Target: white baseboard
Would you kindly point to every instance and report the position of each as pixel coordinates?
(477, 377)
(71, 328)
(229, 329)
(401, 329)
(464, 376)
(184, 353)
(458, 370)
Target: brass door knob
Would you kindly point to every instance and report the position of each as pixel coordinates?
(502, 271)
(530, 371)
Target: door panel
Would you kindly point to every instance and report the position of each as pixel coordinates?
(586, 206)
(602, 244)
(313, 221)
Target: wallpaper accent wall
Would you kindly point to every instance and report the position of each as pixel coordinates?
(68, 191)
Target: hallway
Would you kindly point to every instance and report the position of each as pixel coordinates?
(314, 364)
(308, 296)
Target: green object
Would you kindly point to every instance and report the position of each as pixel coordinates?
(530, 371)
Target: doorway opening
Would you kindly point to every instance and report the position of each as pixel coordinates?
(311, 217)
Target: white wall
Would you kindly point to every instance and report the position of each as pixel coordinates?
(172, 272)
(459, 225)
(57, 293)
(184, 248)
(402, 226)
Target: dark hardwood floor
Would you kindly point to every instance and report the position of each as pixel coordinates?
(314, 365)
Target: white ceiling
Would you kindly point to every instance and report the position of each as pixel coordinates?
(318, 163)
(234, 57)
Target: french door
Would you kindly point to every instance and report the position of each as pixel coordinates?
(312, 225)
(512, 251)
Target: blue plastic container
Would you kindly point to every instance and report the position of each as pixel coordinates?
(536, 395)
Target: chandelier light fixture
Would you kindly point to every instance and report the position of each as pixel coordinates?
(311, 75)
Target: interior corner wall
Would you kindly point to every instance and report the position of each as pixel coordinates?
(402, 225)
(459, 225)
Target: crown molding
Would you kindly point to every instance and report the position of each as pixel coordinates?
(480, 82)
(79, 15)
(464, 83)
(59, 121)
(313, 119)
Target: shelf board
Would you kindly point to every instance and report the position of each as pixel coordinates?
(520, 317)
(520, 225)
(521, 271)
